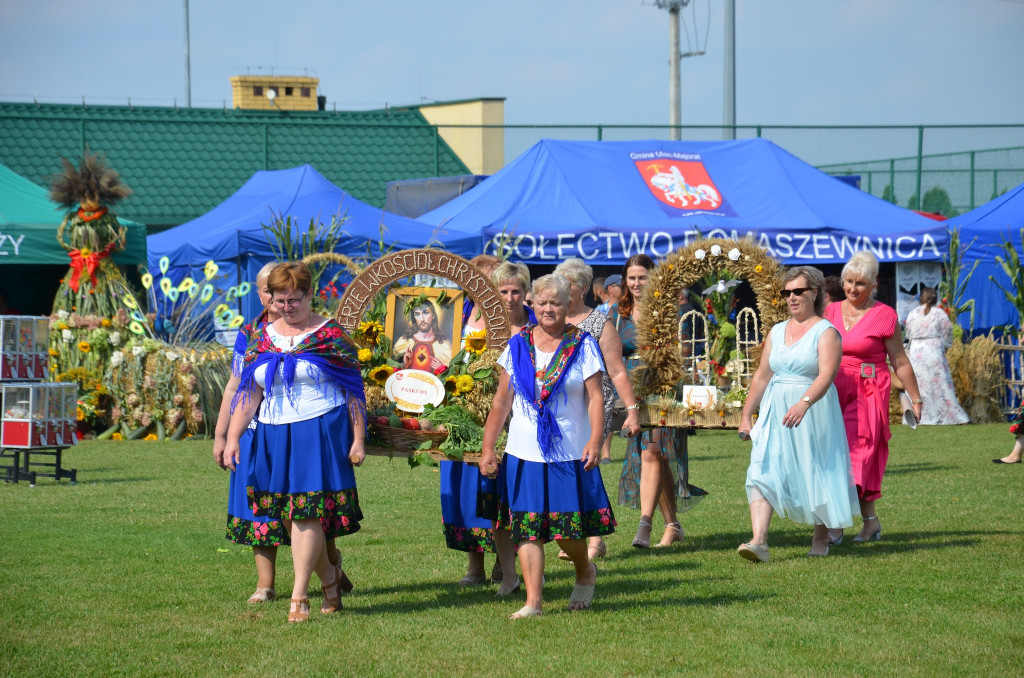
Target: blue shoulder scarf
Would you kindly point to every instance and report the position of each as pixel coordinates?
(329, 351)
(542, 408)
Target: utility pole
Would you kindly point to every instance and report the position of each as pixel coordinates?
(188, 63)
(729, 73)
(675, 108)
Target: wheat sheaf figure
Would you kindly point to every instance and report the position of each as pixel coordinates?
(90, 233)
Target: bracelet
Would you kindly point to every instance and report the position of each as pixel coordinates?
(918, 401)
(633, 407)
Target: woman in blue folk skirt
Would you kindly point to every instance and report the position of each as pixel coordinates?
(263, 534)
(469, 500)
(550, 479)
(301, 374)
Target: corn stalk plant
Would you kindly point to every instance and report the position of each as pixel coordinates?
(953, 287)
(1015, 295)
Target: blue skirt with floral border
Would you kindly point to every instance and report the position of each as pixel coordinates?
(301, 471)
(542, 502)
(464, 529)
(243, 527)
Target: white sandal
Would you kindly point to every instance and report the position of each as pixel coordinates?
(583, 594)
(264, 594)
(525, 611)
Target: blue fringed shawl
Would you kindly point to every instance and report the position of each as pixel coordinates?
(542, 408)
(331, 357)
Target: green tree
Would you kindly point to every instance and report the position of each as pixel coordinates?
(888, 194)
(936, 201)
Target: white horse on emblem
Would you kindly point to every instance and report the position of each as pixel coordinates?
(674, 186)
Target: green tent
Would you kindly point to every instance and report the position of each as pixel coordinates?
(29, 222)
(32, 262)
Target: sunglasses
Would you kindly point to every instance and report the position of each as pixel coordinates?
(796, 290)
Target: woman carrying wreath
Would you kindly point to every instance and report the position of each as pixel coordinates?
(550, 479)
(469, 499)
(871, 333)
(301, 374)
(656, 469)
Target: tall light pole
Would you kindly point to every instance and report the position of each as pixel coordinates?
(188, 64)
(729, 73)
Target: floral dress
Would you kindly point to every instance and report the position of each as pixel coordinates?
(594, 323)
(672, 442)
(929, 335)
(1017, 423)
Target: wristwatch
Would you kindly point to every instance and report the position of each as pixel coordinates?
(806, 400)
(633, 407)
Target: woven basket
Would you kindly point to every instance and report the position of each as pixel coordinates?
(720, 416)
(403, 439)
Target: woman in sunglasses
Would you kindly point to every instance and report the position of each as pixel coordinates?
(871, 333)
(800, 463)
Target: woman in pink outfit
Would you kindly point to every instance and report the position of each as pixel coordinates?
(870, 332)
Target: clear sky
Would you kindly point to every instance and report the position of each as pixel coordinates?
(602, 61)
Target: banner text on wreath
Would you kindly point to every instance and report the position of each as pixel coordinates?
(398, 265)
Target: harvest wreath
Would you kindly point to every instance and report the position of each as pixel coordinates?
(655, 382)
(451, 428)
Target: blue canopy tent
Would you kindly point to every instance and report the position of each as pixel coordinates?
(604, 201)
(983, 230)
(232, 234)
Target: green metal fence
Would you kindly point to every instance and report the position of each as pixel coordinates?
(941, 168)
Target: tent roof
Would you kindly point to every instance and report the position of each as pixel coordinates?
(235, 227)
(182, 162)
(29, 222)
(983, 231)
(598, 199)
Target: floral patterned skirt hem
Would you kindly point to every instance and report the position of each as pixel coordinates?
(545, 527)
(468, 539)
(545, 501)
(256, 533)
(337, 511)
(1017, 423)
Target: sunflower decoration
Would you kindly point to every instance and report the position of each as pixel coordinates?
(84, 346)
(369, 332)
(476, 342)
(451, 385)
(380, 374)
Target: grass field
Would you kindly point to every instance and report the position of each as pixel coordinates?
(128, 573)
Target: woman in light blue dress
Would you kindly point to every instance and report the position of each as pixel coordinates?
(800, 462)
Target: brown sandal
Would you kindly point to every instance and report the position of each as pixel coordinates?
(297, 615)
(332, 604)
(346, 583)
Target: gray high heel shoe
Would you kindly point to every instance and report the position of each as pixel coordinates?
(876, 536)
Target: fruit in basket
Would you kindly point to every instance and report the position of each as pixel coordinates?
(411, 424)
(382, 421)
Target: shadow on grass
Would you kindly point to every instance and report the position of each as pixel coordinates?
(902, 469)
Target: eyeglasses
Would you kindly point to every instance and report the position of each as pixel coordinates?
(288, 302)
(784, 293)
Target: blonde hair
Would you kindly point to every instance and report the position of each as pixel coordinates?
(863, 264)
(265, 271)
(554, 283)
(510, 271)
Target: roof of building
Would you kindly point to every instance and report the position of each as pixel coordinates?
(182, 162)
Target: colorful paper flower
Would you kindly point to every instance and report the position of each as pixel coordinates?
(716, 250)
(734, 254)
(699, 255)
(365, 354)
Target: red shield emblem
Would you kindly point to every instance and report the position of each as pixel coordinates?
(681, 184)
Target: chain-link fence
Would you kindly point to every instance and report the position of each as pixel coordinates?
(947, 169)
